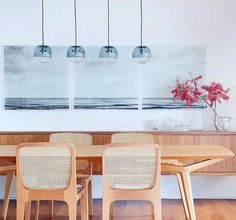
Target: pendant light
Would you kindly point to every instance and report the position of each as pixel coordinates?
(42, 52)
(108, 53)
(141, 54)
(75, 53)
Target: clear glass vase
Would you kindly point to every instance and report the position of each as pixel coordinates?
(222, 123)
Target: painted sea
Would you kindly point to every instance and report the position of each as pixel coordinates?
(94, 103)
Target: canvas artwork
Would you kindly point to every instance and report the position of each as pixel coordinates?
(93, 84)
(31, 85)
(99, 85)
(166, 65)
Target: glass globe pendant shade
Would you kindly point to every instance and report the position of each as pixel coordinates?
(76, 54)
(43, 53)
(109, 54)
(142, 54)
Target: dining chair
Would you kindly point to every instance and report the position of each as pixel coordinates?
(149, 138)
(131, 172)
(9, 170)
(132, 138)
(47, 171)
(84, 167)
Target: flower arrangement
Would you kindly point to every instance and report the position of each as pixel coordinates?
(191, 92)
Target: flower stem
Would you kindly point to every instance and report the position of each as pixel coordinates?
(214, 110)
(209, 105)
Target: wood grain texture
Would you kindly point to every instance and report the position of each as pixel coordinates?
(227, 139)
(168, 139)
(173, 152)
(171, 210)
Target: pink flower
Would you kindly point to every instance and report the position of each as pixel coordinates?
(216, 93)
(190, 92)
(187, 91)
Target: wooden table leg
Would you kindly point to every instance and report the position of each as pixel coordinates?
(8, 188)
(90, 198)
(183, 195)
(51, 208)
(185, 177)
(37, 206)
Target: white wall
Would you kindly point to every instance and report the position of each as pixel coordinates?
(211, 23)
(169, 22)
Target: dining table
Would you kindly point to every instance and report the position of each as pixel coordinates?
(179, 160)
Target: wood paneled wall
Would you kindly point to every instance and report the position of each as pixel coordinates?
(227, 139)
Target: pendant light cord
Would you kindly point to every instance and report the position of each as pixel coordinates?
(108, 22)
(141, 22)
(75, 16)
(42, 22)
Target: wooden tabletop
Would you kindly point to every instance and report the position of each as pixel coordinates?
(181, 152)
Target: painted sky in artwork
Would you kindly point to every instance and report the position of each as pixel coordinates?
(169, 63)
(26, 77)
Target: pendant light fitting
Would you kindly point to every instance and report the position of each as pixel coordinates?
(108, 53)
(43, 52)
(141, 54)
(76, 54)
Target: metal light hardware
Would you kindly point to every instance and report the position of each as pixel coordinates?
(141, 54)
(42, 52)
(76, 53)
(108, 53)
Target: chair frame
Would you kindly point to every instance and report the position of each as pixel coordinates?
(111, 195)
(85, 180)
(10, 171)
(69, 195)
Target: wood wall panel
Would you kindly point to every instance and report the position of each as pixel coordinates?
(12, 139)
(168, 139)
(101, 139)
(226, 166)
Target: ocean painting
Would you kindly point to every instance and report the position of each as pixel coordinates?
(98, 85)
(167, 64)
(106, 103)
(93, 84)
(36, 103)
(31, 85)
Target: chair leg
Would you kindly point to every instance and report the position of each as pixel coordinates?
(8, 188)
(37, 204)
(86, 187)
(90, 198)
(51, 207)
(83, 212)
(157, 209)
(113, 208)
(27, 210)
(72, 209)
(20, 209)
(106, 209)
